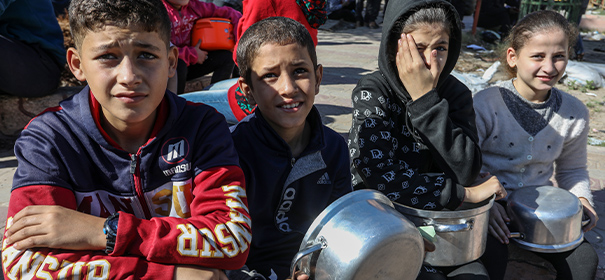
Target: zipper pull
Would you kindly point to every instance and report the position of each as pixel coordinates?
(292, 162)
(133, 163)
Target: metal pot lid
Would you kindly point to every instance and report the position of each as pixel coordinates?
(544, 202)
(547, 218)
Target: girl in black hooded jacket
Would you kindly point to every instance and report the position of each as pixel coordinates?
(413, 135)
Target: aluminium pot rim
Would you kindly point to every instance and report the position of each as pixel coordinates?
(335, 207)
(555, 248)
(535, 210)
(466, 210)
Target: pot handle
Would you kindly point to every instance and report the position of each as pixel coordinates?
(320, 243)
(454, 228)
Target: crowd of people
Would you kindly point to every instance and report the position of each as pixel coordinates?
(129, 179)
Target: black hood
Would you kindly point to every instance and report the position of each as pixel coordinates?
(388, 44)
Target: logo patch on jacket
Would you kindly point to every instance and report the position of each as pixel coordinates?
(324, 180)
(174, 153)
(175, 150)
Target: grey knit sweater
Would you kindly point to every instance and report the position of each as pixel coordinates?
(523, 143)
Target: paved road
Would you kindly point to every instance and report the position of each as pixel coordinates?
(346, 56)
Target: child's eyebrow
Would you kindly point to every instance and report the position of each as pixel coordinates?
(138, 44)
(144, 45)
(299, 62)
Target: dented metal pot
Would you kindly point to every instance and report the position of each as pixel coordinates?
(361, 236)
(546, 219)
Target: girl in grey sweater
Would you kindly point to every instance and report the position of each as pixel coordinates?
(529, 130)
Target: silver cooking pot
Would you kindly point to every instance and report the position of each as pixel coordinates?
(360, 236)
(545, 219)
(460, 236)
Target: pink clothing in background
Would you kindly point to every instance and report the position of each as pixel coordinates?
(183, 21)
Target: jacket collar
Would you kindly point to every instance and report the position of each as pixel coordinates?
(85, 110)
(270, 138)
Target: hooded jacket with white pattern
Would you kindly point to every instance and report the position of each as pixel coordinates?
(419, 153)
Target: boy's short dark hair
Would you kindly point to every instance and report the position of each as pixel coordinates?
(273, 30)
(93, 15)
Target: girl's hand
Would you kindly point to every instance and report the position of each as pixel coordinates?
(201, 55)
(590, 213)
(483, 189)
(497, 223)
(417, 75)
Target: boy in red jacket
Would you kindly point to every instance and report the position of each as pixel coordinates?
(163, 170)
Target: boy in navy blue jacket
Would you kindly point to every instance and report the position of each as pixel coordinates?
(294, 165)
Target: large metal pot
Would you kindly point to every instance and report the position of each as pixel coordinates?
(460, 235)
(547, 219)
(360, 236)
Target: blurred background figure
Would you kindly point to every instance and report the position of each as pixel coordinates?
(368, 18)
(32, 51)
(341, 9)
(193, 61)
(498, 15)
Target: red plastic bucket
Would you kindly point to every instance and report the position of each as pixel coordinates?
(215, 33)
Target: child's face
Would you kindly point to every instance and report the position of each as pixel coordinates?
(127, 71)
(429, 38)
(541, 62)
(283, 84)
(177, 4)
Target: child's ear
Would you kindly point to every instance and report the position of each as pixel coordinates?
(319, 72)
(246, 90)
(511, 57)
(75, 64)
(173, 60)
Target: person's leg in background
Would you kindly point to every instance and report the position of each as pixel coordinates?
(495, 258)
(219, 63)
(359, 12)
(26, 70)
(579, 264)
(372, 10)
(579, 48)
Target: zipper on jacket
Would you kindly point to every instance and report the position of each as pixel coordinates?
(134, 170)
(292, 162)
